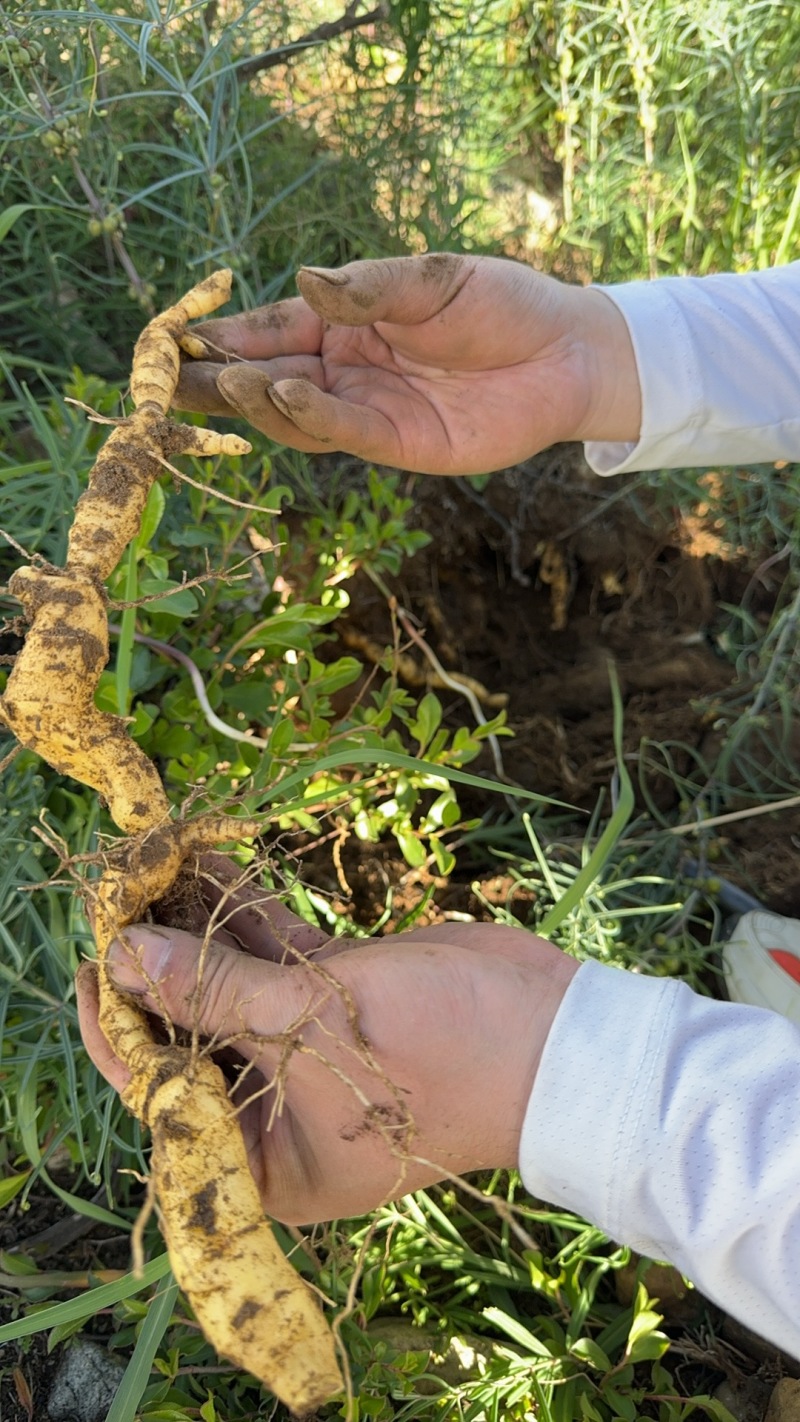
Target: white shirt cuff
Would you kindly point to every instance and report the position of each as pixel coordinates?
(672, 1122)
(719, 368)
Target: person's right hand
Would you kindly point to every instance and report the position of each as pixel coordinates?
(441, 364)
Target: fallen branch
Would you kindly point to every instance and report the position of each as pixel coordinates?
(321, 34)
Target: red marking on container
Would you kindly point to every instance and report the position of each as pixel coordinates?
(787, 961)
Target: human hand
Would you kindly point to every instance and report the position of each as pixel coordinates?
(442, 364)
(364, 1068)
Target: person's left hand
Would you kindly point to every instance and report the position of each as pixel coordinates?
(366, 1068)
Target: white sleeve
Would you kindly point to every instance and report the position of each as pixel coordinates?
(673, 1123)
(719, 367)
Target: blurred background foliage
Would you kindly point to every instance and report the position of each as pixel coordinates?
(150, 142)
(143, 142)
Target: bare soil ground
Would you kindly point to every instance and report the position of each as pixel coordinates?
(531, 586)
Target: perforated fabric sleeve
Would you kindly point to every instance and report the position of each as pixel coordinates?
(719, 367)
(673, 1123)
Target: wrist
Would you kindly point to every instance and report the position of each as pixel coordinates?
(609, 376)
(535, 982)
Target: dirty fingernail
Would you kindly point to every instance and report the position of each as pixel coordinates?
(280, 404)
(86, 974)
(140, 959)
(327, 274)
(243, 387)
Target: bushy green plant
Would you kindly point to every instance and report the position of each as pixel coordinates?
(664, 132)
(120, 126)
(141, 147)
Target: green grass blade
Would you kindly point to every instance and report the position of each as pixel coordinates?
(86, 1207)
(594, 865)
(89, 1303)
(395, 760)
(137, 1374)
(126, 636)
(10, 215)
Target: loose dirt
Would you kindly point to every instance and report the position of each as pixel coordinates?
(534, 584)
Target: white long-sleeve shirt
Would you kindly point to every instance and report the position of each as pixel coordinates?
(669, 1120)
(719, 368)
(673, 1123)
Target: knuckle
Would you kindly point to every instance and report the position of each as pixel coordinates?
(214, 994)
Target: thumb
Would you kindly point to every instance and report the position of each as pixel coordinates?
(403, 290)
(206, 985)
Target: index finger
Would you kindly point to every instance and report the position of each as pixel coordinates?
(286, 328)
(256, 917)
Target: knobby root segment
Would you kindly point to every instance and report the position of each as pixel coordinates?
(49, 699)
(246, 1295)
(248, 1298)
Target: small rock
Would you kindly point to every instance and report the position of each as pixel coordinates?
(85, 1385)
(452, 1358)
(745, 1398)
(784, 1404)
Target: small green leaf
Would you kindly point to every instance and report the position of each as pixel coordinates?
(176, 741)
(88, 1305)
(290, 628)
(711, 1407)
(250, 696)
(413, 851)
(143, 718)
(644, 1340)
(337, 675)
(623, 1405)
(592, 1353)
(429, 714)
(445, 859)
(10, 215)
(648, 1348)
(17, 1264)
(444, 812)
(63, 1331)
(281, 737)
(152, 515)
(105, 697)
(517, 1332)
(10, 1187)
(588, 1411)
(156, 565)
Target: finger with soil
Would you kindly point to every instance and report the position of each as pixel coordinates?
(338, 424)
(402, 290)
(250, 393)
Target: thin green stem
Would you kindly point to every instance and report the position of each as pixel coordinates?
(126, 633)
(784, 246)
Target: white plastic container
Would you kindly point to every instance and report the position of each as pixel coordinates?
(761, 961)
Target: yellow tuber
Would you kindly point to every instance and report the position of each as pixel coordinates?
(247, 1297)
